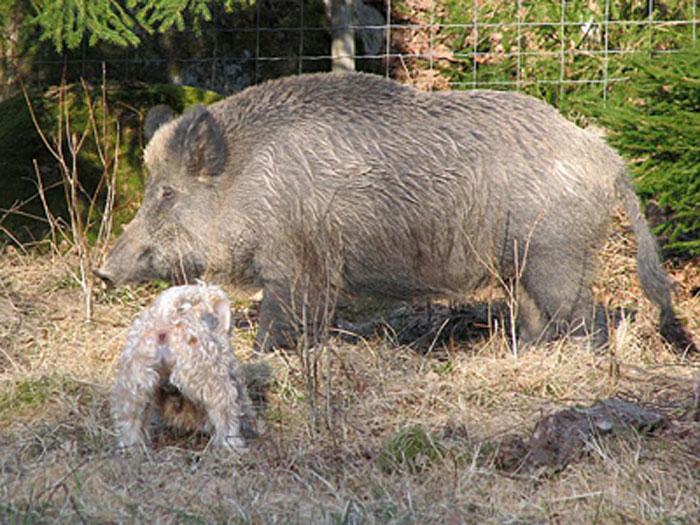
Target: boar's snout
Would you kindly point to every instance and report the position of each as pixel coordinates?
(104, 275)
(119, 269)
(124, 266)
(129, 261)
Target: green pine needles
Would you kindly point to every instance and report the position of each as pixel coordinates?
(654, 121)
(66, 22)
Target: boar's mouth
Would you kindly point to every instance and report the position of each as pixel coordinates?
(187, 269)
(148, 266)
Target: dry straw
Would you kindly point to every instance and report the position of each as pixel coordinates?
(325, 465)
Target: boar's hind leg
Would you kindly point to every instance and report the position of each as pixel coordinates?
(554, 300)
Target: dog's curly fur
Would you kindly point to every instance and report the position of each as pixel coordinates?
(178, 363)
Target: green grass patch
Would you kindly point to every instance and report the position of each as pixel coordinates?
(411, 449)
(27, 395)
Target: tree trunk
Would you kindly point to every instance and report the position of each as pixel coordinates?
(9, 51)
(342, 33)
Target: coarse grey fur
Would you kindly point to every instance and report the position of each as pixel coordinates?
(385, 191)
(155, 118)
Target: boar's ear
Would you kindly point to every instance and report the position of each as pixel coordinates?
(203, 144)
(155, 118)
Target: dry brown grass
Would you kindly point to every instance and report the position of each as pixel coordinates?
(58, 463)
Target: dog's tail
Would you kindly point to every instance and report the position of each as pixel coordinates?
(655, 282)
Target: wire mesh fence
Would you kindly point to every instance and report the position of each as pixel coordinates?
(551, 45)
(549, 48)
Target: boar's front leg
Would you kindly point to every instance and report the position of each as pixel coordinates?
(276, 320)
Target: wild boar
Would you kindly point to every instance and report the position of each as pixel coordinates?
(364, 186)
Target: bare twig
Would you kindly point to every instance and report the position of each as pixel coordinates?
(66, 147)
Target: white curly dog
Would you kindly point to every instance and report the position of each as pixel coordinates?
(178, 364)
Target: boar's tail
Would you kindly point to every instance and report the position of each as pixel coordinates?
(654, 280)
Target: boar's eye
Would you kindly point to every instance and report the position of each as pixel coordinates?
(167, 193)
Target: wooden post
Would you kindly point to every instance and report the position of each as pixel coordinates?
(342, 34)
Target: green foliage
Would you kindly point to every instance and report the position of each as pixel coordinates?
(555, 42)
(5, 11)
(67, 22)
(167, 13)
(654, 121)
